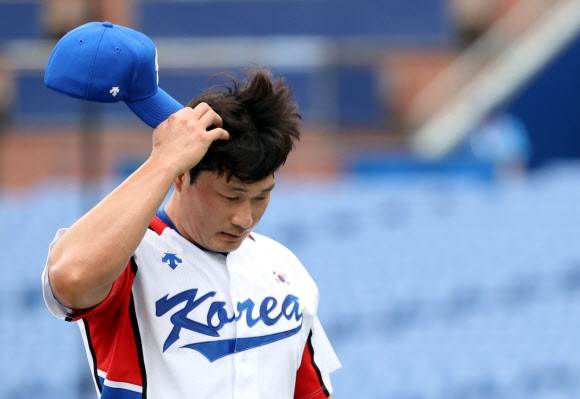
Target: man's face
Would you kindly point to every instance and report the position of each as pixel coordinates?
(218, 215)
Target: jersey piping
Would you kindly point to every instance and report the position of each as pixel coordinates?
(309, 382)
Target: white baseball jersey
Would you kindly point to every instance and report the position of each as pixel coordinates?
(183, 322)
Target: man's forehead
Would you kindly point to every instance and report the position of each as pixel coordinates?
(235, 184)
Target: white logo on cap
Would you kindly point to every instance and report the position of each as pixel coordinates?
(156, 66)
(114, 91)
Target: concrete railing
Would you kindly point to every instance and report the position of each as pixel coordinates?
(489, 72)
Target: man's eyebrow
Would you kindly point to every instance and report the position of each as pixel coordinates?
(245, 190)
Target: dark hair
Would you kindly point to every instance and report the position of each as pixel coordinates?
(262, 119)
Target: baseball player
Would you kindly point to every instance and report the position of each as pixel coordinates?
(184, 300)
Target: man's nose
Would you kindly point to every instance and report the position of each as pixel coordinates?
(243, 215)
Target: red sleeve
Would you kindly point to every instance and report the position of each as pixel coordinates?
(309, 384)
(112, 334)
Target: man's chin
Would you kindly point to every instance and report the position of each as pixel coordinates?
(229, 245)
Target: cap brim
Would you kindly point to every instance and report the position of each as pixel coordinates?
(155, 109)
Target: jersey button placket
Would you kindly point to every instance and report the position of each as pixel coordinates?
(247, 375)
(245, 363)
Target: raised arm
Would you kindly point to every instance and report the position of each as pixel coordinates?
(93, 253)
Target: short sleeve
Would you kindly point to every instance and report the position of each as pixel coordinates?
(318, 361)
(121, 288)
(55, 307)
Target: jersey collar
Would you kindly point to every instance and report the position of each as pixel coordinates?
(164, 218)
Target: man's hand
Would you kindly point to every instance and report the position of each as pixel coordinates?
(183, 139)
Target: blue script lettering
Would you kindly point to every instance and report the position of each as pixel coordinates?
(217, 315)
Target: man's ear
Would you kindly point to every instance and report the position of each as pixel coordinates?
(180, 180)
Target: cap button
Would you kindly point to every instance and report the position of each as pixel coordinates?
(108, 24)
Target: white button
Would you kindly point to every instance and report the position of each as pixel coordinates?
(244, 357)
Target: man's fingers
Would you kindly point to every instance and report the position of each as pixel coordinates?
(219, 134)
(206, 115)
(202, 116)
(209, 118)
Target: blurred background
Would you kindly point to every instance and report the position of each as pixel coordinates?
(434, 196)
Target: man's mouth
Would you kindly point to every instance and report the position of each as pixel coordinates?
(233, 236)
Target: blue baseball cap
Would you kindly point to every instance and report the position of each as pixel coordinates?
(107, 63)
